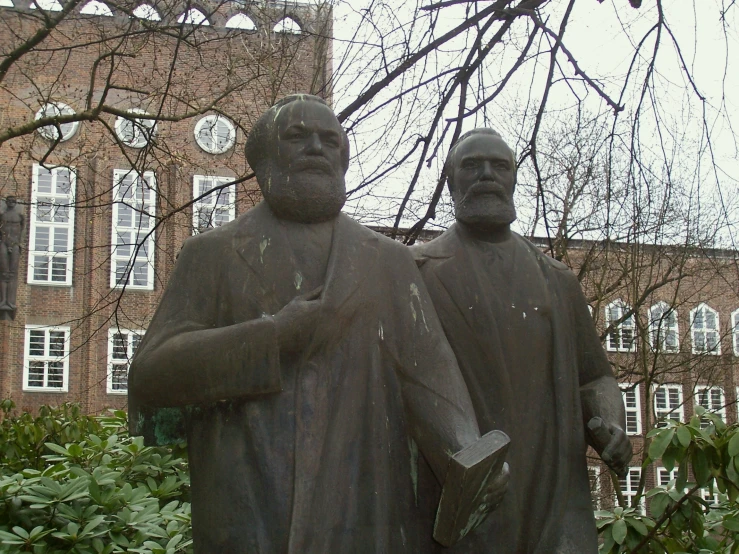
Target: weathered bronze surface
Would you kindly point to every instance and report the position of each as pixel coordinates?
(299, 355)
(12, 225)
(520, 328)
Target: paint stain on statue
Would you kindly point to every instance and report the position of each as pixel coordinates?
(415, 293)
(262, 247)
(380, 332)
(298, 280)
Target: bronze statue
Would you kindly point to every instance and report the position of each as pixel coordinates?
(12, 225)
(299, 355)
(520, 328)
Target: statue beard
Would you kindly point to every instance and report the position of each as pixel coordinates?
(305, 196)
(485, 206)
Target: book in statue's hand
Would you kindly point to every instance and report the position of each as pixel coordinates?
(462, 506)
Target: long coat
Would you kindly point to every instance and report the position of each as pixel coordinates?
(468, 310)
(315, 454)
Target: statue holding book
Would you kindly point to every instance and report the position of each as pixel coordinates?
(299, 355)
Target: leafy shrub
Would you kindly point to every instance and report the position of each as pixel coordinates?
(72, 483)
(707, 458)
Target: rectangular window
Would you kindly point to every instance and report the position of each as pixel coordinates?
(216, 208)
(122, 345)
(668, 403)
(711, 494)
(594, 477)
(663, 329)
(713, 400)
(735, 331)
(629, 486)
(51, 226)
(632, 403)
(46, 360)
(664, 477)
(132, 241)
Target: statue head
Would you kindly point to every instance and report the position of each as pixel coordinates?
(300, 155)
(10, 202)
(481, 172)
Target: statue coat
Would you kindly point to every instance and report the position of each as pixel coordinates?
(547, 508)
(316, 454)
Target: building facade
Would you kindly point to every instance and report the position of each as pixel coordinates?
(158, 100)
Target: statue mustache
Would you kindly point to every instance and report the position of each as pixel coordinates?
(316, 162)
(487, 187)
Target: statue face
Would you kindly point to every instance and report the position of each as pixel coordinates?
(304, 180)
(10, 202)
(484, 181)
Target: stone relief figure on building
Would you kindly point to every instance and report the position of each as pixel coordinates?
(299, 355)
(12, 225)
(520, 328)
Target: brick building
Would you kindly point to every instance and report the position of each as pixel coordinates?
(109, 199)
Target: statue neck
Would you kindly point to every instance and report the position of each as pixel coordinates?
(495, 234)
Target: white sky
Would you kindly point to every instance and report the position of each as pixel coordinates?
(602, 38)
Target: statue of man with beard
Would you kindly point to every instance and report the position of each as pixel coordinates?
(535, 368)
(299, 355)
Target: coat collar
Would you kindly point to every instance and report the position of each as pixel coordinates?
(262, 243)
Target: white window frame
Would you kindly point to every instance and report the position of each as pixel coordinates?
(669, 411)
(631, 482)
(51, 132)
(140, 250)
(712, 499)
(46, 358)
(615, 338)
(228, 194)
(666, 476)
(661, 327)
(51, 255)
(143, 129)
(720, 410)
(735, 331)
(636, 409)
(208, 126)
(595, 489)
(113, 361)
(705, 330)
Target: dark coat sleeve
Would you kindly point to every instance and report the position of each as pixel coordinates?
(186, 359)
(436, 399)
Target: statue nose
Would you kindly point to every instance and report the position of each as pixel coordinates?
(314, 144)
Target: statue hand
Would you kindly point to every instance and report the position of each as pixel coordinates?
(612, 443)
(297, 320)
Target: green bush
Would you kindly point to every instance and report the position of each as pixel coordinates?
(682, 522)
(72, 483)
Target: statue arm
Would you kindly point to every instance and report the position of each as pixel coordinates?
(185, 359)
(438, 406)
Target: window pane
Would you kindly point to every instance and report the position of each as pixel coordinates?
(42, 238)
(59, 269)
(56, 343)
(40, 268)
(119, 377)
(36, 374)
(56, 375)
(36, 344)
(140, 274)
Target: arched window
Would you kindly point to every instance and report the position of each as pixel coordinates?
(145, 11)
(663, 331)
(241, 21)
(621, 336)
(705, 330)
(735, 331)
(96, 8)
(51, 132)
(7, 3)
(46, 5)
(287, 25)
(193, 16)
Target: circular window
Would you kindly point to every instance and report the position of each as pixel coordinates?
(51, 132)
(215, 134)
(135, 132)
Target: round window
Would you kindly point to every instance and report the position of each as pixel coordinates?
(51, 132)
(215, 134)
(135, 132)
